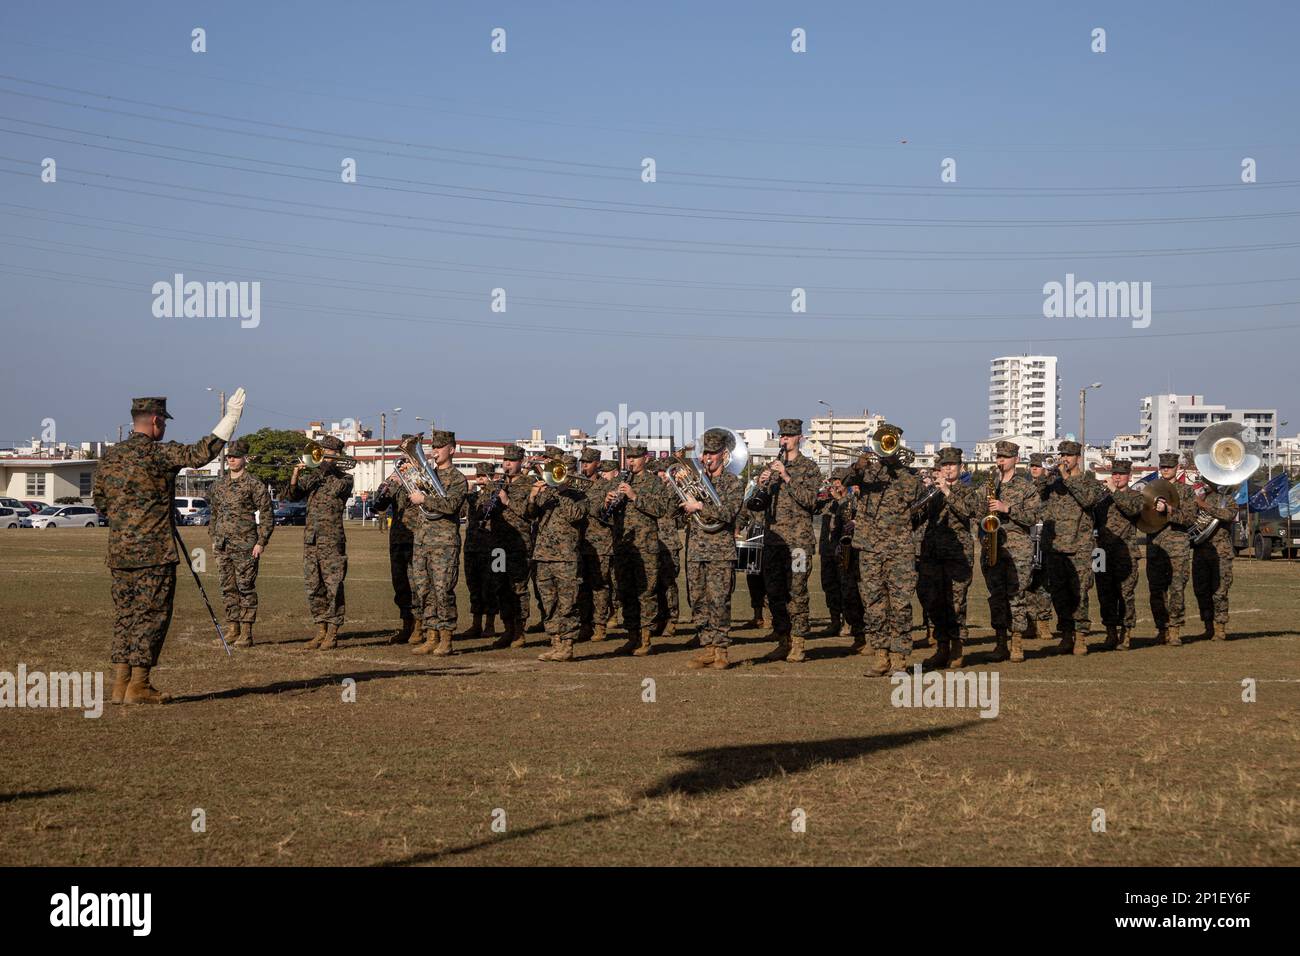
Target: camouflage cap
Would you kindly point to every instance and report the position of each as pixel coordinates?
(406, 435)
(949, 456)
(1006, 449)
(149, 406)
(551, 451)
(484, 467)
(1169, 459)
(512, 453)
(438, 438)
(237, 449)
(1036, 460)
(1068, 447)
(715, 440)
(1121, 466)
(607, 464)
(590, 454)
(635, 450)
(790, 426)
(840, 473)
(330, 443)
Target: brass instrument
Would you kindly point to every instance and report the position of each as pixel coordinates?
(690, 480)
(1202, 529)
(315, 454)
(992, 524)
(425, 480)
(886, 445)
(556, 474)
(1224, 456)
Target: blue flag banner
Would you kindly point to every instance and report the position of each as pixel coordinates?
(1149, 476)
(1272, 493)
(1243, 495)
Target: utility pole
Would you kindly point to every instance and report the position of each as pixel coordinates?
(383, 444)
(1083, 408)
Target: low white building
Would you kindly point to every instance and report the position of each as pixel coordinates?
(1029, 445)
(1173, 423)
(47, 479)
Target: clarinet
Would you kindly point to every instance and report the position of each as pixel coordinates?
(611, 510)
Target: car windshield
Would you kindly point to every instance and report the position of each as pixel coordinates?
(49, 510)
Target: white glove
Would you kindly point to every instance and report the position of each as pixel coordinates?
(234, 408)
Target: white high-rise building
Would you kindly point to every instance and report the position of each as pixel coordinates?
(1024, 397)
(1173, 422)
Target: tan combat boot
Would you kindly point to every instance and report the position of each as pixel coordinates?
(518, 639)
(140, 691)
(549, 655)
(781, 650)
(319, 639)
(720, 661)
(796, 655)
(956, 656)
(1066, 645)
(1174, 636)
(563, 651)
(703, 659)
(1124, 640)
(670, 629)
(1221, 631)
(1000, 652)
(644, 648)
(331, 637)
(245, 634)
(475, 630)
(1080, 643)
(598, 632)
(443, 647)
(1044, 630)
(939, 659)
(490, 626)
(430, 643)
(880, 665)
(897, 662)
(121, 677)
(1017, 655)
(417, 632)
(404, 635)
(1112, 638)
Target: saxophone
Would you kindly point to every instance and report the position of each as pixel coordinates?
(992, 525)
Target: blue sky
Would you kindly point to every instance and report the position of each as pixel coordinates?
(522, 171)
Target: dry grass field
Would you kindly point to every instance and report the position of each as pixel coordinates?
(587, 772)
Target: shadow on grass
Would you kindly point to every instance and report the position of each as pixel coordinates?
(325, 680)
(38, 794)
(715, 769)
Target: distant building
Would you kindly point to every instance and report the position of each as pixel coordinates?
(1024, 396)
(985, 451)
(852, 432)
(47, 479)
(1173, 422)
(1131, 447)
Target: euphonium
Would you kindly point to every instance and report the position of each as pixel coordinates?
(425, 480)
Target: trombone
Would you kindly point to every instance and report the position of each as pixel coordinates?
(315, 454)
(557, 474)
(884, 447)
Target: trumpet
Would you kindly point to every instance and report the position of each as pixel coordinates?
(315, 454)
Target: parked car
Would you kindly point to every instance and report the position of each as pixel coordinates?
(10, 518)
(63, 516)
(200, 516)
(187, 506)
(291, 512)
(13, 503)
(103, 519)
(33, 506)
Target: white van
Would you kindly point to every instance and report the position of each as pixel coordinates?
(187, 506)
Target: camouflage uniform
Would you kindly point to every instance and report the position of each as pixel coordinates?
(480, 502)
(711, 561)
(401, 539)
(559, 513)
(947, 557)
(844, 558)
(133, 486)
(668, 604)
(882, 535)
(512, 532)
(789, 543)
(829, 572)
(325, 546)
(436, 558)
(1169, 561)
(636, 548)
(1070, 543)
(235, 531)
(1212, 561)
(596, 604)
(1117, 536)
(1038, 595)
(1008, 579)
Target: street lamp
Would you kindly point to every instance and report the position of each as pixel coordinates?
(831, 441)
(1083, 406)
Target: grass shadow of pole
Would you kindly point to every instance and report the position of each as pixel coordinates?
(715, 769)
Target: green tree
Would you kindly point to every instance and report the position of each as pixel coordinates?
(273, 452)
